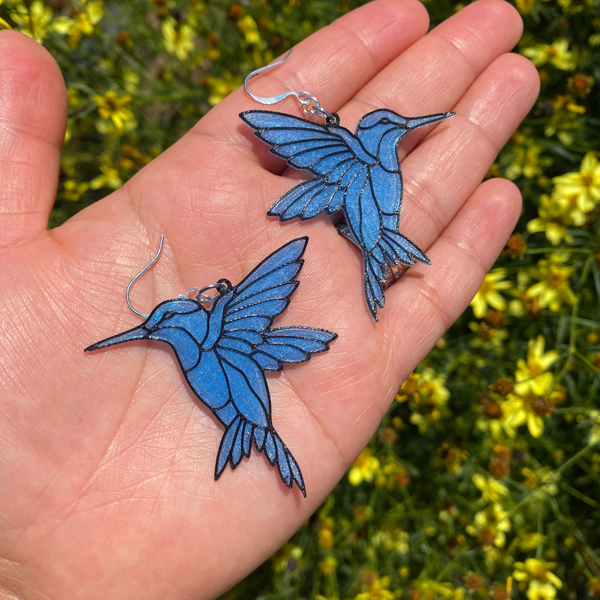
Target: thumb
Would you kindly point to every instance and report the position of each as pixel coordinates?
(33, 110)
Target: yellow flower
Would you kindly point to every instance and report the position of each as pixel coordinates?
(541, 591)
(363, 468)
(527, 160)
(109, 178)
(433, 590)
(220, 87)
(396, 540)
(569, 204)
(487, 336)
(392, 474)
(565, 119)
(543, 481)
(377, 591)
(581, 84)
(288, 558)
(488, 293)
(536, 570)
(525, 6)
(33, 21)
(73, 97)
(328, 565)
(571, 7)
(178, 38)
(531, 541)
(325, 538)
(557, 54)
(534, 394)
(490, 526)
(427, 396)
(131, 80)
(530, 409)
(553, 288)
(248, 27)
(73, 190)
(594, 434)
(565, 101)
(552, 219)
(532, 376)
(584, 185)
(491, 490)
(517, 410)
(114, 108)
(84, 22)
(424, 386)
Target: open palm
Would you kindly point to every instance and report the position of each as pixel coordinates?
(106, 477)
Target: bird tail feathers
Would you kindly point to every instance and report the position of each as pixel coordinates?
(392, 249)
(237, 442)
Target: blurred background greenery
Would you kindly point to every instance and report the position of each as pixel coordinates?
(483, 479)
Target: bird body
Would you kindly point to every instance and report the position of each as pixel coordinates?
(223, 352)
(358, 174)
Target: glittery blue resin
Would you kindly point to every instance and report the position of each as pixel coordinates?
(224, 351)
(358, 174)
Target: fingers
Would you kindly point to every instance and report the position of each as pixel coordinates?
(447, 167)
(444, 170)
(32, 122)
(333, 64)
(424, 303)
(433, 74)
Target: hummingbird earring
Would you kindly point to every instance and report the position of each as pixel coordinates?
(358, 174)
(224, 343)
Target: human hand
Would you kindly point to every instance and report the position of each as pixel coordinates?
(107, 485)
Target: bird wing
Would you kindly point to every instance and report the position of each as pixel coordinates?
(263, 294)
(291, 345)
(232, 362)
(257, 300)
(334, 155)
(227, 377)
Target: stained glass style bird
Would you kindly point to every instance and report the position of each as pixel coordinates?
(224, 350)
(357, 174)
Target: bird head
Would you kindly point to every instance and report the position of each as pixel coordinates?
(166, 314)
(381, 130)
(378, 123)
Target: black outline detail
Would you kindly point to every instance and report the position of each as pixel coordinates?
(320, 183)
(266, 336)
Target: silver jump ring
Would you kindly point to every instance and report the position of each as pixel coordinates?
(221, 287)
(202, 298)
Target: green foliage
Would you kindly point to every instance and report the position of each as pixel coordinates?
(483, 478)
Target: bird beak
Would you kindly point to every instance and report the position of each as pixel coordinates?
(421, 121)
(137, 333)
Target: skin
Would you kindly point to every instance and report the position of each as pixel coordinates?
(106, 475)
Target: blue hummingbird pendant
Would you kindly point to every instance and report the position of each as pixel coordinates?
(223, 351)
(358, 174)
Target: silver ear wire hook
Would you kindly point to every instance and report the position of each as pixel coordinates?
(156, 257)
(200, 296)
(273, 99)
(310, 105)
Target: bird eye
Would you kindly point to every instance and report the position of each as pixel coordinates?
(385, 120)
(168, 315)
